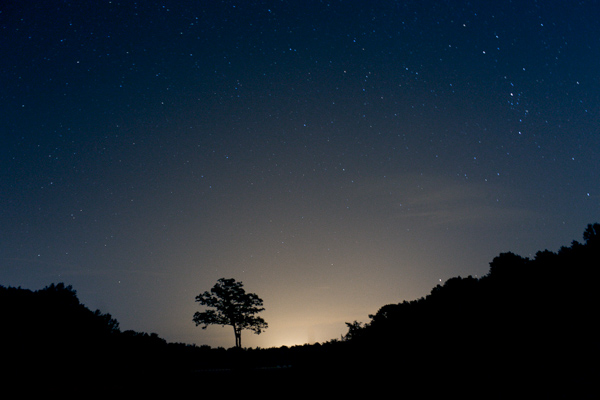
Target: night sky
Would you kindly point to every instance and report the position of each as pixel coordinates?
(334, 156)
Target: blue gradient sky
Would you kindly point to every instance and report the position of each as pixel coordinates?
(334, 156)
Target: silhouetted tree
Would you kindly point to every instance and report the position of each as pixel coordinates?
(591, 235)
(232, 306)
(534, 315)
(354, 330)
(507, 266)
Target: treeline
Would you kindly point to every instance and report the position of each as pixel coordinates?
(49, 332)
(529, 324)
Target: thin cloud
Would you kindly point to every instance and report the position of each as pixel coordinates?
(437, 200)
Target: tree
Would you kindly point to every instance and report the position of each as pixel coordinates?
(232, 306)
(355, 329)
(592, 234)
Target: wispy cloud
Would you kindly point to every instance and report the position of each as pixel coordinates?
(442, 200)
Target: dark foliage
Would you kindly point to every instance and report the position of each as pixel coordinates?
(231, 305)
(50, 326)
(48, 335)
(525, 330)
(529, 325)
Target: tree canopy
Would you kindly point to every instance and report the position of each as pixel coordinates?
(535, 315)
(231, 305)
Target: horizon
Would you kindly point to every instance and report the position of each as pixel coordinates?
(333, 156)
(293, 344)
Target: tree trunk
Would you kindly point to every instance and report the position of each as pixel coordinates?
(238, 336)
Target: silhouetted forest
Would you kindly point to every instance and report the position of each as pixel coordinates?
(529, 324)
(526, 329)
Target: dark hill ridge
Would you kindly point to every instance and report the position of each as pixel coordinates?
(529, 323)
(526, 328)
